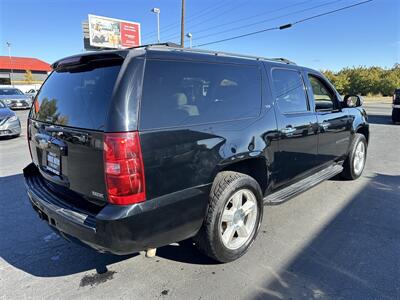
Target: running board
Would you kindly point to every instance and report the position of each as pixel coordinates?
(302, 185)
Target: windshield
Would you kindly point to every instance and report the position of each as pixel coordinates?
(11, 91)
(77, 97)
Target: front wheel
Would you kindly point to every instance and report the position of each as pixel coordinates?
(233, 218)
(355, 162)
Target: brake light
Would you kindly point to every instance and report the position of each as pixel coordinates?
(123, 166)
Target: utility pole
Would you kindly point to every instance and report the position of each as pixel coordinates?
(157, 12)
(11, 67)
(183, 25)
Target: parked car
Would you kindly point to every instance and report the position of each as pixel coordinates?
(15, 98)
(396, 106)
(9, 122)
(31, 93)
(127, 158)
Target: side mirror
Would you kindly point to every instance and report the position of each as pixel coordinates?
(352, 101)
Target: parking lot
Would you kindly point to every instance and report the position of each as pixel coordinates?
(339, 240)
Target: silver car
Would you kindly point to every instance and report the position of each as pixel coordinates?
(14, 98)
(9, 122)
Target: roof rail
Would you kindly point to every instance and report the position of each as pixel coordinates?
(177, 47)
(285, 60)
(167, 44)
(201, 51)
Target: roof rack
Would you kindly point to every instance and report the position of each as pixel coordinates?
(167, 44)
(176, 47)
(285, 60)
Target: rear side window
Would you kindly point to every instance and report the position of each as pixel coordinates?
(289, 91)
(77, 97)
(187, 93)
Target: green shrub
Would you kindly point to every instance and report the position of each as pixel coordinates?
(366, 81)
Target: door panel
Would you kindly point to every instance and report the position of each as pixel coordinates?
(297, 126)
(297, 145)
(334, 124)
(333, 136)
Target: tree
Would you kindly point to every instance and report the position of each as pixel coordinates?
(28, 77)
(366, 81)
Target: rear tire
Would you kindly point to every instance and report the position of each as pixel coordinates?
(233, 217)
(355, 162)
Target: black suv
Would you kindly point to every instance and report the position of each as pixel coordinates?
(396, 106)
(135, 149)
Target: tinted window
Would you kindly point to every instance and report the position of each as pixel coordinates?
(289, 91)
(323, 97)
(4, 91)
(183, 93)
(78, 98)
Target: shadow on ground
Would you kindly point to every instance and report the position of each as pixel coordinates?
(27, 243)
(380, 119)
(356, 256)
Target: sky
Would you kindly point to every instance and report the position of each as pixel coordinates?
(365, 35)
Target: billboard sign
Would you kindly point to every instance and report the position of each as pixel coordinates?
(113, 33)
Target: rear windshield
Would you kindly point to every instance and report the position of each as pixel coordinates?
(77, 97)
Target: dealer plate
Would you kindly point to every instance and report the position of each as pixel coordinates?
(53, 163)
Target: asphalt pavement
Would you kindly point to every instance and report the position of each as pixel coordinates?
(339, 240)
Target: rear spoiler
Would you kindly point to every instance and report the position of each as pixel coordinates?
(82, 59)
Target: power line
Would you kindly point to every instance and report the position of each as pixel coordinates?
(254, 16)
(258, 22)
(285, 26)
(215, 14)
(189, 19)
(174, 24)
(212, 16)
(267, 20)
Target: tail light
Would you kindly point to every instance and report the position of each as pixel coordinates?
(124, 171)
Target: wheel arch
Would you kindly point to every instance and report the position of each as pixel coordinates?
(364, 130)
(255, 167)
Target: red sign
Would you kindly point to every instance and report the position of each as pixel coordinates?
(130, 35)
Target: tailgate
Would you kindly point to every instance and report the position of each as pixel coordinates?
(67, 121)
(69, 158)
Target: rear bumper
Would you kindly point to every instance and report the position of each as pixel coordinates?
(121, 229)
